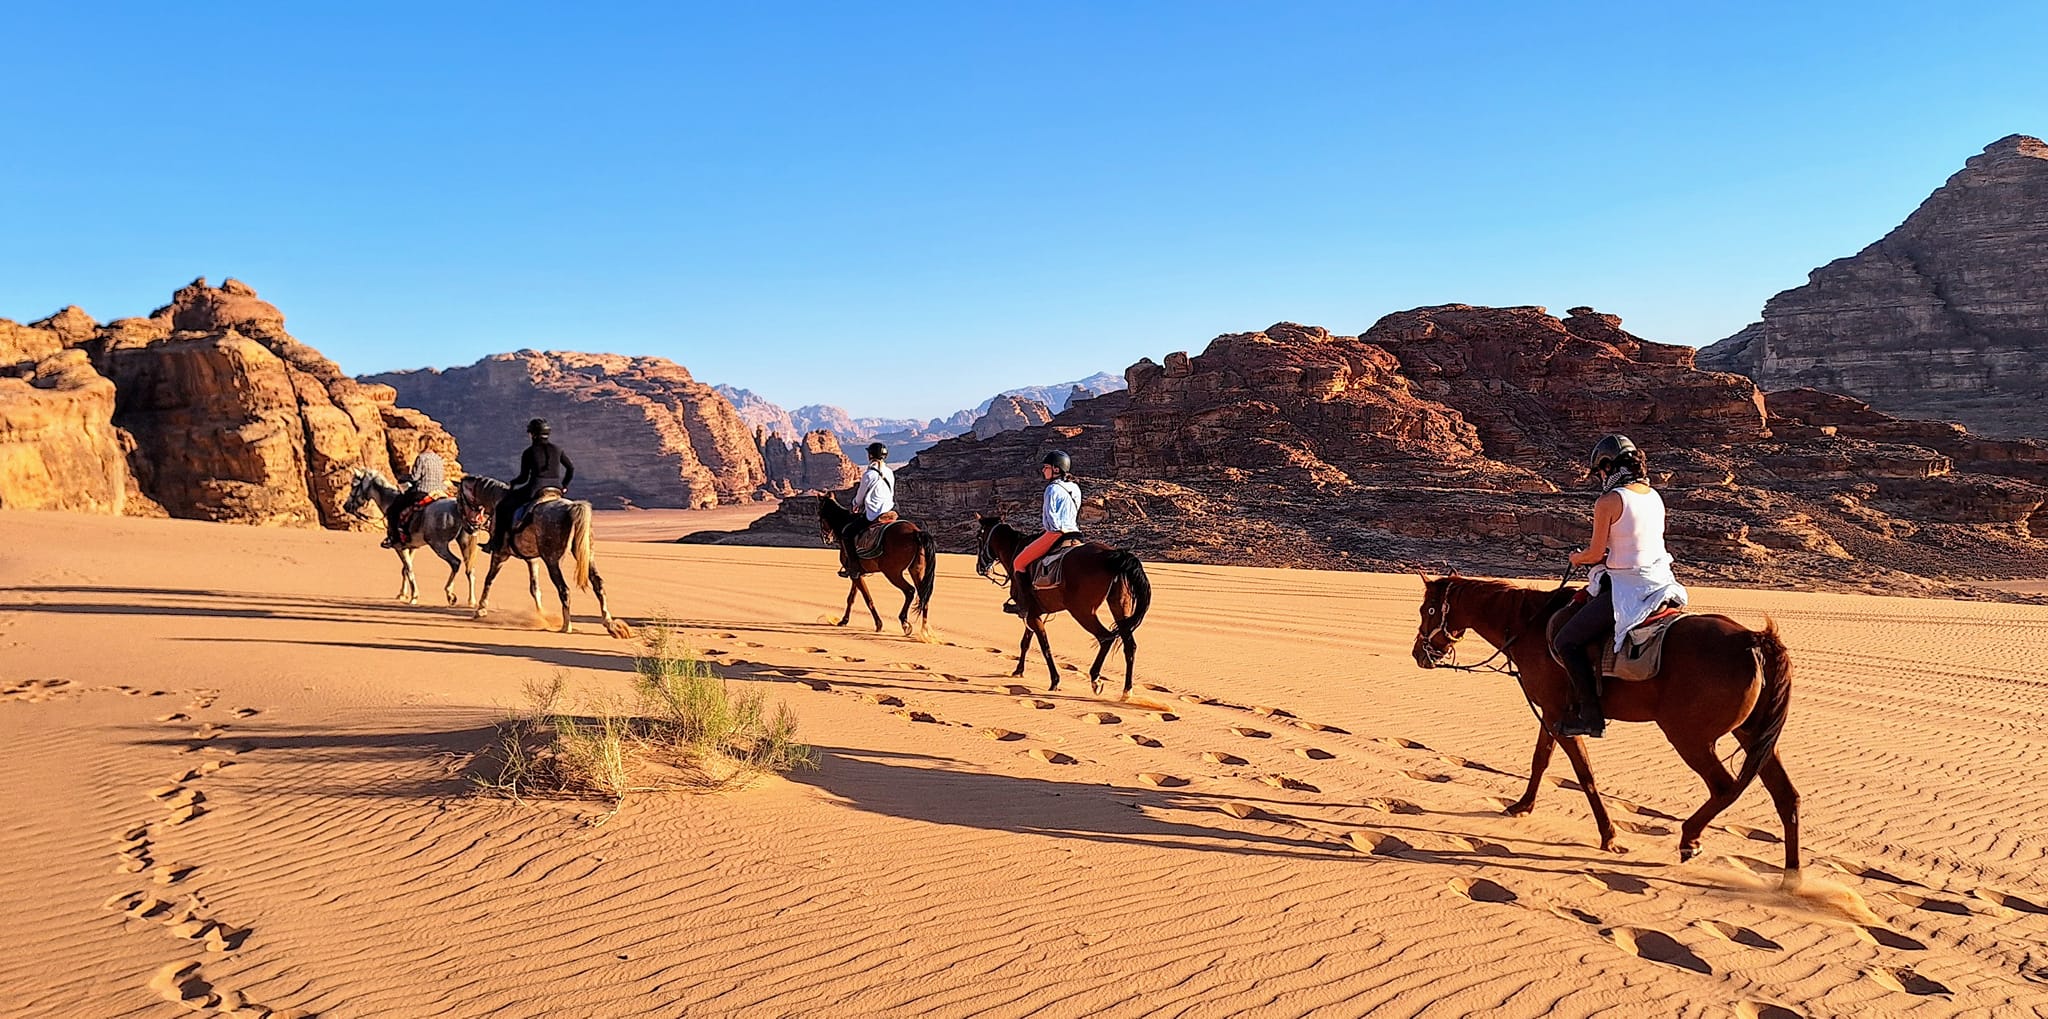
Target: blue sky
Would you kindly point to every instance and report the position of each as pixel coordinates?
(999, 194)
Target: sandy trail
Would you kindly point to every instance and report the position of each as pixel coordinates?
(230, 749)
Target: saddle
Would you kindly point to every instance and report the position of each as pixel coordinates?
(1642, 650)
(868, 545)
(523, 513)
(1049, 570)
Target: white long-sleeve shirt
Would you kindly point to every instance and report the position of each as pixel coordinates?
(1062, 506)
(877, 492)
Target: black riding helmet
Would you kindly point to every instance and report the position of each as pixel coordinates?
(538, 427)
(1059, 461)
(877, 451)
(1608, 451)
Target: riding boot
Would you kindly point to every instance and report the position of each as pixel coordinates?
(1583, 717)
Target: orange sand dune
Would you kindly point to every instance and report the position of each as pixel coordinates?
(233, 771)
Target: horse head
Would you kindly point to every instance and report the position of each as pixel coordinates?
(1436, 633)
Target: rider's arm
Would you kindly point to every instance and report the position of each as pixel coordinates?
(1605, 513)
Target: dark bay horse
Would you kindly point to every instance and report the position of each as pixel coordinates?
(1718, 677)
(437, 526)
(908, 560)
(1093, 573)
(554, 528)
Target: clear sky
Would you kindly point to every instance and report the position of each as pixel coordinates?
(995, 194)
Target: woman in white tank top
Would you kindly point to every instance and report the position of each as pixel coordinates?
(1630, 576)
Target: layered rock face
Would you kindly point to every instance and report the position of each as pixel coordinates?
(640, 430)
(1009, 413)
(218, 413)
(1946, 317)
(815, 463)
(1454, 436)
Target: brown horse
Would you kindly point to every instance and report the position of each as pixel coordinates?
(1092, 574)
(1718, 677)
(908, 560)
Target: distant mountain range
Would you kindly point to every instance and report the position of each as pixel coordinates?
(905, 436)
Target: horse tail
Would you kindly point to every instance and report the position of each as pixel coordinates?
(1131, 573)
(1767, 719)
(928, 553)
(579, 541)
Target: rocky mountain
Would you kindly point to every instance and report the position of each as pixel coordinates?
(206, 409)
(1009, 413)
(1945, 317)
(640, 430)
(1454, 436)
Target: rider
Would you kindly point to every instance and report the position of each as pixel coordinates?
(1060, 517)
(1630, 576)
(429, 473)
(875, 500)
(541, 466)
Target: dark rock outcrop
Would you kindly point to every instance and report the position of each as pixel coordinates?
(640, 430)
(1946, 317)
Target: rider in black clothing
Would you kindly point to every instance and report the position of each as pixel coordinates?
(543, 465)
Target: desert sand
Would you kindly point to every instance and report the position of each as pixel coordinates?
(229, 749)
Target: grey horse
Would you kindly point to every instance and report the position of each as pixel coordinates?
(439, 525)
(554, 527)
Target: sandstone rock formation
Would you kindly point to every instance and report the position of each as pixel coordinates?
(1946, 317)
(814, 463)
(1009, 413)
(640, 430)
(1453, 436)
(218, 413)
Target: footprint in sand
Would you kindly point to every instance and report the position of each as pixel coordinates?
(1396, 741)
(1902, 978)
(1423, 776)
(1889, 938)
(1161, 779)
(1218, 757)
(2009, 901)
(1099, 718)
(1479, 889)
(1614, 882)
(1050, 756)
(1656, 946)
(1764, 1010)
(1314, 753)
(1139, 739)
(1376, 843)
(1248, 732)
(1575, 913)
(1737, 934)
(1931, 904)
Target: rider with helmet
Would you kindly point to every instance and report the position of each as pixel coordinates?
(542, 466)
(1061, 517)
(874, 500)
(1630, 575)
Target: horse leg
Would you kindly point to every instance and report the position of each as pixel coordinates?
(1538, 762)
(860, 583)
(1773, 776)
(1575, 749)
(1105, 639)
(1045, 647)
(1698, 755)
(909, 596)
(561, 590)
(497, 563)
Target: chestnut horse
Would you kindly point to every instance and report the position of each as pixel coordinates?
(908, 561)
(1718, 677)
(1092, 574)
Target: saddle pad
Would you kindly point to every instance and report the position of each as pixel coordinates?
(869, 544)
(1048, 571)
(1642, 652)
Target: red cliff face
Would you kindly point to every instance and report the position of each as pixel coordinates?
(640, 430)
(217, 413)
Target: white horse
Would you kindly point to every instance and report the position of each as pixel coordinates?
(435, 528)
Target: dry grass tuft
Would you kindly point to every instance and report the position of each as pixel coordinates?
(684, 729)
